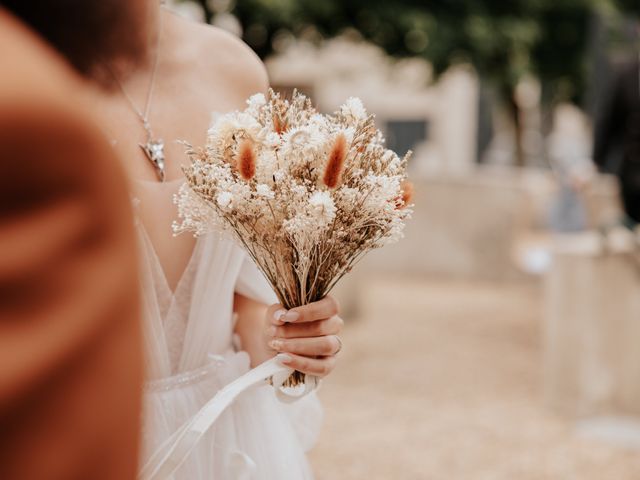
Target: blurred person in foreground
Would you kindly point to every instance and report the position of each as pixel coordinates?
(618, 127)
(70, 366)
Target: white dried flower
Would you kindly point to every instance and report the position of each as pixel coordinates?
(322, 206)
(319, 121)
(225, 127)
(348, 132)
(353, 106)
(225, 200)
(301, 144)
(280, 176)
(264, 191)
(256, 101)
(272, 140)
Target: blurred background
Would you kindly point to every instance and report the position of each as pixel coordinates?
(501, 338)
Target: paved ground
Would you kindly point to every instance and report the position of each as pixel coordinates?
(442, 381)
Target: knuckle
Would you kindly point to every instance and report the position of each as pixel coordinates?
(324, 368)
(284, 332)
(290, 345)
(273, 309)
(331, 363)
(334, 326)
(319, 329)
(332, 304)
(271, 314)
(303, 313)
(331, 345)
(303, 364)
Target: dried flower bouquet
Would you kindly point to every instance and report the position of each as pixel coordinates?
(305, 194)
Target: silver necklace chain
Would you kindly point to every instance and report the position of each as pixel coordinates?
(152, 148)
(144, 116)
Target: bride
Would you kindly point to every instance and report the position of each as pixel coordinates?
(207, 317)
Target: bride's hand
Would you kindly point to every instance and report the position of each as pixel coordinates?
(306, 337)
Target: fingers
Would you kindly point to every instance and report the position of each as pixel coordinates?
(305, 337)
(319, 328)
(320, 367)
(320, 310)
(275, 313)
(308, 347)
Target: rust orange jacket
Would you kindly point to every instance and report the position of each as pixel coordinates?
(70, 355)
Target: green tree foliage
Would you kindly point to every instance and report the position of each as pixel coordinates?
(503, 39)
(629, 6)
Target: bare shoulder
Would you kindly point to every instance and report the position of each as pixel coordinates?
(227, 58)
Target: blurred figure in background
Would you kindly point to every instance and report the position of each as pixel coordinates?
(70, 367)
(618, 128)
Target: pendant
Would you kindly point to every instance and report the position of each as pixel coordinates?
(154, 150)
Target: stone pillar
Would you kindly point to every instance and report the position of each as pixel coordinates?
(592, 328)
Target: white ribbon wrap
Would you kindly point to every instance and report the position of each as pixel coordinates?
(176, 449)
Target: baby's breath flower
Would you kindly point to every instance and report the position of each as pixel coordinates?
(280, 176)
(225, 200)
(264, 191)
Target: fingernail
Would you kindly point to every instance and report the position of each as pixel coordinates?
(283, 358)
(278, 314)
(290, 316)
(275, 344)
(272, 330)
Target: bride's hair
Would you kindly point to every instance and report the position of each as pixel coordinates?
(91, 34)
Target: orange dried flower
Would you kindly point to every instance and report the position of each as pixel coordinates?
(335, 165)
(407, 194)
(278, 125)
(246, 160)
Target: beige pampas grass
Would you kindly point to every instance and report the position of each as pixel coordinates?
(335, 165)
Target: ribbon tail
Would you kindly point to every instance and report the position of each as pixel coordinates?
(176, 449)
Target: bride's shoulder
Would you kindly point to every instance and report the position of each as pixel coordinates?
(224, 55)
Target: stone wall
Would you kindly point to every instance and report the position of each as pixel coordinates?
(470, 225)
(476, 226)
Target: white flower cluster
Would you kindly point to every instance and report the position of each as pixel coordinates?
(306, 194)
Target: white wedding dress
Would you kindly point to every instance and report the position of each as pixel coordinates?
(191, 354)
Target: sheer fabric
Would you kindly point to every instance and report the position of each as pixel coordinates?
(191, 354)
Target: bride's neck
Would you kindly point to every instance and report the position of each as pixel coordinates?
(159, 37)
(163, 22)
(155, 18)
